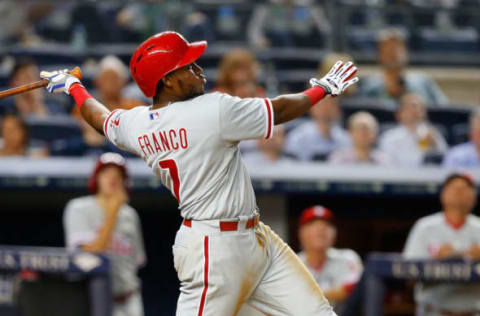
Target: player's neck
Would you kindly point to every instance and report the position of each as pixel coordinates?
(455, 216)
(316, 259)
(164, 99)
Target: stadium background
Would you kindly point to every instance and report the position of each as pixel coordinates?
(376, 206)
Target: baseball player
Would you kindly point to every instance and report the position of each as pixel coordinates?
(336, 271)
(104, 222)
(224, 256)
(452, 233)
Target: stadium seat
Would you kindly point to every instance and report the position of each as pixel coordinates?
(52, 128)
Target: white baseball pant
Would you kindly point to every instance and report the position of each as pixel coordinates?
(220, 271)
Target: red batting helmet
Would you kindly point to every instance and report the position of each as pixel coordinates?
(107, 159)
(159, 55)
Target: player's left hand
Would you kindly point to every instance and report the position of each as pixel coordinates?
(338, 79)
(59, 81)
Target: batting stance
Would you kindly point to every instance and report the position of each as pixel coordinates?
(104, 222)
(224, 256)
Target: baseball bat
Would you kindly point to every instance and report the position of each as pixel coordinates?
(35, 85)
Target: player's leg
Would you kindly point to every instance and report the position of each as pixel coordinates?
(218, 272)
(287, 287)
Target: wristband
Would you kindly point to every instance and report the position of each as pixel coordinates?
(79, 94)
(315, 94)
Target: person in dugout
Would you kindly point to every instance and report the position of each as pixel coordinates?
(104, 223)
(336, 271)
(451, 233)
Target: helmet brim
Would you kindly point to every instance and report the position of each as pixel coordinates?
(194, 52)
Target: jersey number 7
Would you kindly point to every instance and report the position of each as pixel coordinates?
(171, 165)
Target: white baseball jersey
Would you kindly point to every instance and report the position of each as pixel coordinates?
(192, 147)
(342, 268)
(83, 217)
(424, 241)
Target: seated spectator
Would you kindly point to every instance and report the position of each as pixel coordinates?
(31, 103)
(238, 75)
(395, 80)
(109, 82)
(363, 128)
(15, 139)
(270, 151)
(316, 139)
(452, 233)
(336, 271)
(288, 23)
(467, 154)
(90, 143)
(414, 139)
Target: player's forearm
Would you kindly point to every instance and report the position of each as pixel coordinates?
(92, 111)
(290, 106)
(104, 237)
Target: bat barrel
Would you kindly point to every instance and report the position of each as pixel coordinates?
(24, 88)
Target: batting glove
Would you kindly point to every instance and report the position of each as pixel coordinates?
(337, 79)
(59, 81)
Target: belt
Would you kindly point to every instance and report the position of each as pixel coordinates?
(229, 226)
(123, 298)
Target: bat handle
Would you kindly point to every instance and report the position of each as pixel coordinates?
(77, 72)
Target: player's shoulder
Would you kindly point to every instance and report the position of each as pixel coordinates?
(430, 221)
(81, 203)
(138, 110)
(129, 211)
(209, 97)
(474, 220)
(344, 254)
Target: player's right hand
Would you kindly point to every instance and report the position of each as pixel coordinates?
(59, 81)
(338, 79)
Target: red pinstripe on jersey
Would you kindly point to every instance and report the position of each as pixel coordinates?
(269, 124)
(205, 282)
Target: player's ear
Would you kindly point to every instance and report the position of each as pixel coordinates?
(167, 81)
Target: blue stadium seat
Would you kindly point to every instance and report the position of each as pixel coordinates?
(52, 128)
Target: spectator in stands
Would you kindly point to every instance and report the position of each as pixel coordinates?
(270, 151)
(395, 80)
(288, 23)
(89, 143)
(15, 139)
(363, 128)
(467, 154)
(238, 75)
(414, 139)
(103, 222)
(110, 81)
(316, 139)
(452, 233)
(336, 271)
(28, 103)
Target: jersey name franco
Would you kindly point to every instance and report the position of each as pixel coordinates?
(192, 147)
(163, 141)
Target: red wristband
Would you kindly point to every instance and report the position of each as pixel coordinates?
(79, 94)
(315, 94)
